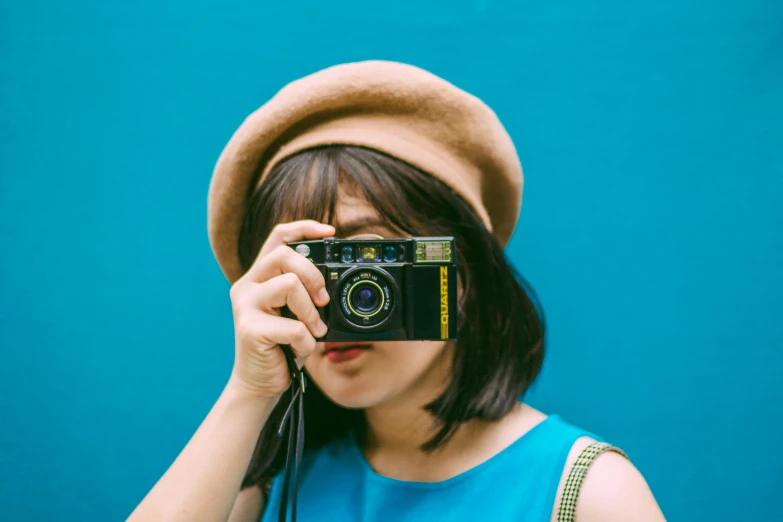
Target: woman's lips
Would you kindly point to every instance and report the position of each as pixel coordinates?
(342, 352)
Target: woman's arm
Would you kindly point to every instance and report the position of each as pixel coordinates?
(203, 482)
(613, 490)
(249, 505)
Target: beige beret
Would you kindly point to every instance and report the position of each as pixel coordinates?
(398, 109)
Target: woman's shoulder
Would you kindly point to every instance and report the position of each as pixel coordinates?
(606, 484)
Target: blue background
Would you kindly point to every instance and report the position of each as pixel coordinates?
(651, 136)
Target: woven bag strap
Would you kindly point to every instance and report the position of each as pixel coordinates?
(573, 483)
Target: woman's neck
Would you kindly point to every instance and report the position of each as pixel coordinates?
(394, 437)
(402, 427)
(396, 430)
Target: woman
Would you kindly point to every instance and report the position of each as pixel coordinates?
(395, 430)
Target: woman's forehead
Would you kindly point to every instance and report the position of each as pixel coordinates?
(350, 208)
(354, 215)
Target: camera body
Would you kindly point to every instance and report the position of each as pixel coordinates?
(386, 289)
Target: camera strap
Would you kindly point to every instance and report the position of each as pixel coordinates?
(294, 420)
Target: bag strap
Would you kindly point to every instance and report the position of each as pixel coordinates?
(573, 483)
(294, 420)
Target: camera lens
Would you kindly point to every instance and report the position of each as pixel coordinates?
(365, 298)
(347, 254)
(389, 253)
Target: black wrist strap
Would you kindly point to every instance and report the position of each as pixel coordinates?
(294, 418)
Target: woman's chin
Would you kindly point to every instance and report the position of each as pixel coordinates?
(355, 397)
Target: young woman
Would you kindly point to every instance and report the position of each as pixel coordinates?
(410, 430)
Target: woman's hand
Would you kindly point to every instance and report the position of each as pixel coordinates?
(279, 277)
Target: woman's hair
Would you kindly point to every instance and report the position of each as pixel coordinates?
(500, 344)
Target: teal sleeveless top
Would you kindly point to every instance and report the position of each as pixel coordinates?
(519, 484)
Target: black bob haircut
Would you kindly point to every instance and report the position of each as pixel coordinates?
(500, 346)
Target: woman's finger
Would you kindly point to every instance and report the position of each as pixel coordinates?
(276, 330)
(285, 290)
(285, 260)
(295, 231)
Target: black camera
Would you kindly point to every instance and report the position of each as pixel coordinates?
(386, 289)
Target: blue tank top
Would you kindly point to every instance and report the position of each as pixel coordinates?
(519, 484)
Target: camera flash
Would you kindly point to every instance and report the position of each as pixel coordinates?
(433, 252)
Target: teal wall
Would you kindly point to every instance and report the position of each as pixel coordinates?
(652, 140)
